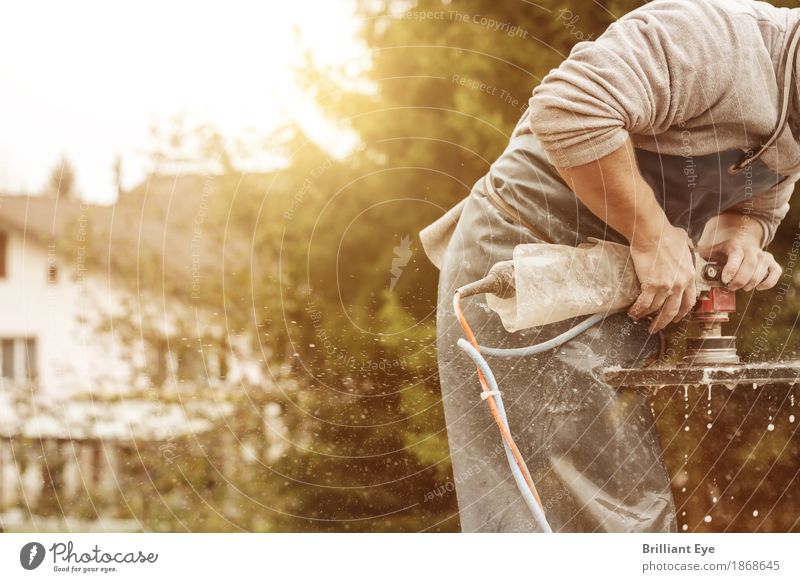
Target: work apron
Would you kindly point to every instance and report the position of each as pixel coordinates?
(593, 452)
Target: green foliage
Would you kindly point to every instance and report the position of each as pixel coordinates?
(446, 91)
(323, 269)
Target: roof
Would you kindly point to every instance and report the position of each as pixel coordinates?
(159, 224)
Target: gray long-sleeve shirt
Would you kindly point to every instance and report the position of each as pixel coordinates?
(676, 76)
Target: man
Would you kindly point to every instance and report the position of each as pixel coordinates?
(650, 136)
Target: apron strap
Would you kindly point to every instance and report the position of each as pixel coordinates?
(508, 210)
(785, 92)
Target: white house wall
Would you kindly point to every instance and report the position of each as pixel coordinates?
(71, 357)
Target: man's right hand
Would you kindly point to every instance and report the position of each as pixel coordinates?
(615, 191)
(665, 268)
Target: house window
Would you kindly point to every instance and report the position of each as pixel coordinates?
(19, 358)
(8, 358)
(52, 274)
(30, 358)
(3, 254)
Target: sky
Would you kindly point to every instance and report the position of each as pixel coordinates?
(87, 80)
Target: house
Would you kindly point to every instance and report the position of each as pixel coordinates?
(68, 270)
(48, 302)
(94, 362)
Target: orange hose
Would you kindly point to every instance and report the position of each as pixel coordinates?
(509, 440)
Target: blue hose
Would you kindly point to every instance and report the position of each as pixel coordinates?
(527, 495)
(571, 333)
(483, 365)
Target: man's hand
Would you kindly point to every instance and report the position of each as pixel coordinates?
(747, 266)
(666, 272)
(735, 240)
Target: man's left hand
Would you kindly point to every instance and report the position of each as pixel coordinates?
(747, 266)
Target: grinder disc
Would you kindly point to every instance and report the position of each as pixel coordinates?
(705, 351)
(717, 375)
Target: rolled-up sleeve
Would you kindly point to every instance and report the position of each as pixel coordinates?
(650, 70)
(769, 208)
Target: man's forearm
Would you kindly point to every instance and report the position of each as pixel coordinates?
(614, 190)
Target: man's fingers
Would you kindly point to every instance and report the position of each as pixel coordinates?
(732, 265)
(774, 273)
(642, 302)
(745, 272)
(687, 303)
(664, 270)
(649, 301)
(671, 307)
(760, 273)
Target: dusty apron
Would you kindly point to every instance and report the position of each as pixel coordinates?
(593, 452)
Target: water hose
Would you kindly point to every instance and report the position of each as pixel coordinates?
(533, 502)
(500, 281)
(491, 402)
(571, 333)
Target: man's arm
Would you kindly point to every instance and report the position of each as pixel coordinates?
(651, 70)
(656, 67)
(614, 190)
(768, 208)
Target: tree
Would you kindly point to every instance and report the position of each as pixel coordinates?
(447, 82)
(117, 169)
(324, 276)
(62, 179)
